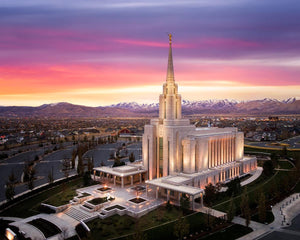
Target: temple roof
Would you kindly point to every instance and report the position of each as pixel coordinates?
(170, 70)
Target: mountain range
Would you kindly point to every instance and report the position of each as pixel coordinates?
(133, 109)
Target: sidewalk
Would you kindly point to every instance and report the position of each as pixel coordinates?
(283, 212)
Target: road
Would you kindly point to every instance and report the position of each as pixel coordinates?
(16, 164)
(294, 143)
(292, 232)
(53, 161)
(102, 152)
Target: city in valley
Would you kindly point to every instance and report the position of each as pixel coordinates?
(149, 120)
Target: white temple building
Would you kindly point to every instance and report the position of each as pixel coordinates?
(177, 155)
(179, 158)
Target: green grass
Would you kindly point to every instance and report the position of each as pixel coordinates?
(253, 188)
(285, 165)
(223, 203)
(117, 226)
(29, 206)
(62, 197)
(233, 232)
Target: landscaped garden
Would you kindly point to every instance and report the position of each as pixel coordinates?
(29, 206)
(97, 201)
(137, 200)
(62, 197)
(285, 165)
(232, 232)
(162, 218)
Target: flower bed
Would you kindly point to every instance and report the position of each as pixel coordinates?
(104, 189)
(137, 200)
(97, 201)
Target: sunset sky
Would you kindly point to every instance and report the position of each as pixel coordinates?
(101, 52)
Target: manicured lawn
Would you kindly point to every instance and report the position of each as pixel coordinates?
(233, 232)
(29, 206)
(223, 203)
(63, 197)
(258, 185)
(117, 226)
(285, 165)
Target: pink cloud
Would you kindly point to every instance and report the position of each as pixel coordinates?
(148, 43)
(227, 42)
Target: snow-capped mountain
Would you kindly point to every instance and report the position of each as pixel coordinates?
(133, 109)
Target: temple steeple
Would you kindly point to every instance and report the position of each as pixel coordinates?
(170, 100)
(170, 70)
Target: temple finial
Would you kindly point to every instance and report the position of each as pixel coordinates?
(170, 38)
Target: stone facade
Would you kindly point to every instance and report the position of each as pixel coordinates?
(172, 146)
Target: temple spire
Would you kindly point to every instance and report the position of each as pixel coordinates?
(170, 71)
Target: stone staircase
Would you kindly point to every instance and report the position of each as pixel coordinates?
(76, 214)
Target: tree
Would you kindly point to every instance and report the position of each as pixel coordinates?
(50, 176)
(80, 167)
(184, 202)
(234, 187)
(169, 206)
(181, 228)
(90, 164)
(30, 182)
(66, 167)
(245, 209)
(274, 158)
(231, 210)
(131, 157)
(210, 194)
(262, 208)
(284, 152)
(12, 179)
(268, 168)
(9, 191)
(87, 179)
(118, 162)
(74, 154)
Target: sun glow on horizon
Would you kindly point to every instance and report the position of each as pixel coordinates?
(124, 59)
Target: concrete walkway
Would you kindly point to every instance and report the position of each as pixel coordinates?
(255, 176)
(283, 212)
(211, 212)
